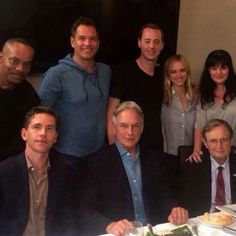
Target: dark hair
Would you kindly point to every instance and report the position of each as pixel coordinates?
(83, 21)
(207, 85)
(19, 40)
(151, 26)
(211, 124)
(40, 110)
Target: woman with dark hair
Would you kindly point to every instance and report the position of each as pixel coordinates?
(218, 96)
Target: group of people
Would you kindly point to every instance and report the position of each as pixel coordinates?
(65, 179)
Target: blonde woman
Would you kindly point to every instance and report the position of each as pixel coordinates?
(178, 110)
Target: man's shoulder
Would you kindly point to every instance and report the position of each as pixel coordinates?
(151, 153)
(105, 156)
(152, 158)
(56, 70)
(232, 157)
(25, 92)
(103, 66)
(25, 85)
(11, 163)
(126, 66)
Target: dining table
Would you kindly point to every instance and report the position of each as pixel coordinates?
(203, 229)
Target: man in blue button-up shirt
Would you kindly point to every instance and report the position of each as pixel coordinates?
(126, 182)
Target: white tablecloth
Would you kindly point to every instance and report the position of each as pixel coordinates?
(203, 229)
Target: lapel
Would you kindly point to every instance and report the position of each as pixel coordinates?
(21, 174)
(55, 181)
(232, 164)
(118, 174)
(117, 166)
(205, 174)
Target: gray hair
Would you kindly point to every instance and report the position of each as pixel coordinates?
(127, 105)
(210, 125)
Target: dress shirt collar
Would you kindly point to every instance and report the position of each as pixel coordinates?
(215, 164)
(30, 166)
(125, 155)
(186, 96)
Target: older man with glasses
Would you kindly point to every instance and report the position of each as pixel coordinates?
(209, 183)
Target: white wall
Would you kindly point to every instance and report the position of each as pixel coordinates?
(206, 25)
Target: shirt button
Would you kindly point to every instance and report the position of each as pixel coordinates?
(37, 201)
(135, 198)
(135, 180)
(182, 114)
(183, 126)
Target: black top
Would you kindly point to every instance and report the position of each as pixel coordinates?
(14, 104)
(129, 82)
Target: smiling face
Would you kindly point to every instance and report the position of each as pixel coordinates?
(127, 129)
(151, 44)
(178, 74)
(219, 74)
(41, 134)
(85, 43)
(218, 143)
(15, 63)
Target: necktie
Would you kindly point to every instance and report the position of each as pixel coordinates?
(220, 188)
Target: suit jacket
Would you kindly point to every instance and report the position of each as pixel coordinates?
(14, 197)
(109, 195)
(196, 184)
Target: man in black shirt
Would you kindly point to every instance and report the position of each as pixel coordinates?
(141, 81)
(17, 96)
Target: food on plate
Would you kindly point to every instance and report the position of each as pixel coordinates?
(217, 218)
(183, 230)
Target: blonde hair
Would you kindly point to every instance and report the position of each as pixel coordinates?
(168, 84)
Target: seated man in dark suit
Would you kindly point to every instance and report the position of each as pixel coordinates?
(210, 182)
(126, 182)
(35, 187)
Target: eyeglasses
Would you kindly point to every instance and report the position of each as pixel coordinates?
(126, 126)
(215, 142)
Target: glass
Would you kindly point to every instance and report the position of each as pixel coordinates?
(135, 230)
(215, 142)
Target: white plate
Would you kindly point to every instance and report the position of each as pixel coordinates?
(163, 228)
(228, 208)
(230, 229)
(212, 225)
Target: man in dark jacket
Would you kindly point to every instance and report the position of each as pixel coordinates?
(199, 180)
(127, 182)
(36, 188)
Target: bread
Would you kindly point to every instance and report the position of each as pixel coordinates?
(217, 218)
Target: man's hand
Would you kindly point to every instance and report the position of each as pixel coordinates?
(118, 228)
(178, 216)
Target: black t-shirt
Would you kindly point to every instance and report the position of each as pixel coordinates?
(14, 104)
(129, 82)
